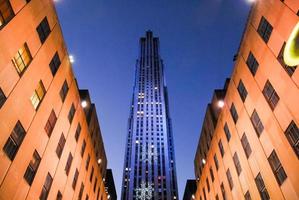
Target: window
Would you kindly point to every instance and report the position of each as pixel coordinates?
(288, 69)
(292, 133)
(14, 141)
(87, 162)
(216, 162)
(83, 148)
(71, 113)
(212, 174)
(277, 168)
(257, 123)
(234, 113)
(247, 196)
(227, 132)
(87, 197)
(63, 91)
(60, 146)
(78, 131)
(204, 194)
(68, 164)
(242, 90)
(2, 98)
(217, 197)
(50, 123)
(38, 95)
(43, 30)
(81, 192)
(223, 191)
(246, 145)
(95, 185)
(75, 179)
(221, 148)
(22, 59)
(237, 163)
(265, 29)
(46, 188)
(230, 179)
(270, 95)
(59, 195)
(91, 174)
(55, 63)
(32, 168)
(252, 63)
(6, 12)
(261, 187)
(208, 184)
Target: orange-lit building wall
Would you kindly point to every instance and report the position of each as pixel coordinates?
(18, 90)
(282, 16)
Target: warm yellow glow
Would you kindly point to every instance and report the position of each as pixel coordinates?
(291, 51)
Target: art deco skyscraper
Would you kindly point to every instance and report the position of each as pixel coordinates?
(149, 168)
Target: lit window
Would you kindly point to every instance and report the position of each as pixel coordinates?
(38, 95)
(22, 59)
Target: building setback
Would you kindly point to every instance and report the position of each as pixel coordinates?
(110, 186)
(149, 168)
(252, 151)
(50, 146)
(190, 189)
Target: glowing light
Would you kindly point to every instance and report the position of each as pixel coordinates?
(84, 104)
(108, 196)
(72, 59)
(251, 1)
(99, 161)
(193, 196)
(203, 161)
(220, 103)
(144, 192)
(291, 50)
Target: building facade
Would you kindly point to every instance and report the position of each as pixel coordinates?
(50, 146)
(253, 151)
(149, 167)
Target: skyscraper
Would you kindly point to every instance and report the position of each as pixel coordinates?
(149, 168)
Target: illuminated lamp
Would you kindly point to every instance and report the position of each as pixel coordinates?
(291, 50)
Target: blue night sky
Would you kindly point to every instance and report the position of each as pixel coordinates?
(198, 40)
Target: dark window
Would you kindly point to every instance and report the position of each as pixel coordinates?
(237, 163)
(257, 123)
(277, 168)
(230, 179)
(208, 184)
(32, 168)
(292, 133)
(242, 90)
(227, 132)
(221, 148)
(265, 29)
(81, 192)
(234, 113)
(223, 191)
(87, 162)
(75, 179)
(60, 145)
(217, 197)
(288, 69)
(83, 148)
(63, 91)
(212, 174)
(91, 174)
(59, 195)
(87, 197)
(246, 145)
(2, 98)
(78, 131)
(252, 63)
(50, 123)
(68, 164)
(261, 187)
(43, 30)
(46, 188)
(55, 63)
(95, 185)
(71, 113)
(270, 95)
(6, 12)
(247, 196)
(216, 162)
(14, 141)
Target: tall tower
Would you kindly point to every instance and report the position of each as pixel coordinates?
(149, 168)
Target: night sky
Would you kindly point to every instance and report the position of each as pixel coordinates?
(198, 40)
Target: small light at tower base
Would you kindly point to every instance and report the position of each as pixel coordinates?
(220, 103)
(84, 104)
